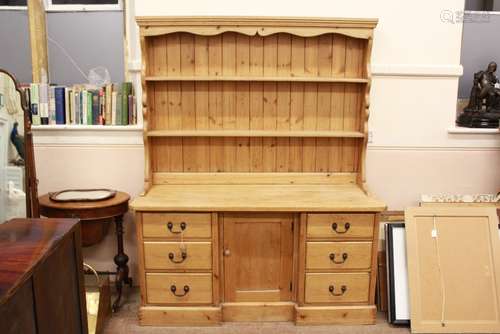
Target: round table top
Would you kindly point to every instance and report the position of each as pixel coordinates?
(117, 205)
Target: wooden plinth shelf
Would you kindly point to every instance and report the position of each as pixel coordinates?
(254, 133)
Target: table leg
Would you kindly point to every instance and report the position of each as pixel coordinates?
(121, 259)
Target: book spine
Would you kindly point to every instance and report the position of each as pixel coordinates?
(60, 104)
(89, 107)
(134, 110)
(35, 111)
(119, 107)
(66, 106)
(101, 107)
(108, 93)
(130, 109)
(113, 108)
(43, 109)
(52, 105)
(78, 112)
(84, 106)
(95, 107)
(126, 91)
(72, 106)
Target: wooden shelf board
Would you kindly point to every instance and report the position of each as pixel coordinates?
(277, 197)
(254, 78)
(254, 133)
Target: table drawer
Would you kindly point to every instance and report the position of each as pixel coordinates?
(344, 226)
(170, 255)
(338, 255)
(337, 288)
(179, 288)
(171, 225)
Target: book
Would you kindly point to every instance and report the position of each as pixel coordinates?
(130, 109)
(60, 114)
(34, 97)
(113, 108)
(126, 91)
(101, 107)
(89, 107)
(72, 106)
(52, 105)
(95, 107)
(43, 103)
(78, 108)
(66, 106)
(134, 110)
(119, 105)
(84, 107)
(107, 107)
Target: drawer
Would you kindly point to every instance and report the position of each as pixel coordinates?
(179, 288)
(337, 288)
(321, 225)
(171, 225)
(170, 255)
(338, 255)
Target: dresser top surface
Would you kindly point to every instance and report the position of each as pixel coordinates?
(23, 244)
(297, 198)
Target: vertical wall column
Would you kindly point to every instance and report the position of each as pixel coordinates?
(38, 40)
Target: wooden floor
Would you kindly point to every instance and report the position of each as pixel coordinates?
(125, 322)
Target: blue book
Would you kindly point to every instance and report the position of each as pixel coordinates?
(96, 109)
(60, 105)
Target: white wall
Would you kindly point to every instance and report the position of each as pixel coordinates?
(413, 101)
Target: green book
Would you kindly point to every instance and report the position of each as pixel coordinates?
(119, 102)
(126, 91)
(89, 107)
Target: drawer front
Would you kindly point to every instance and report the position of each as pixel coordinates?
(189, 288)
(338, 255)
(337, 288)
(170, 255)
(342, 226)
(171, 225)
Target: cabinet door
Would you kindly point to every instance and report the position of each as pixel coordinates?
(258, 258)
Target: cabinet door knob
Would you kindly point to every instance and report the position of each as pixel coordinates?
(227, 252)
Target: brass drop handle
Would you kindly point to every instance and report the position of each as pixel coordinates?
(343, 289)
(346, 228)
(173, 289)
(171, 256)
(182, 225)
(344, 258)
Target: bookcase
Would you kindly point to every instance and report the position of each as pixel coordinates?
(255, 132)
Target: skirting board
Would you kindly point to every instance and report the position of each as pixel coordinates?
(336, 315)
(179, 316)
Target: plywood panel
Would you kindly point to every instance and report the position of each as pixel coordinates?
(453, 291)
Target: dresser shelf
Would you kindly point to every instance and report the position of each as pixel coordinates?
(255, 78)
(255, 133)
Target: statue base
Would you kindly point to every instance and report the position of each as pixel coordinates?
(474, 119)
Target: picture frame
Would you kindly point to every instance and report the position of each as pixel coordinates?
(398, 295)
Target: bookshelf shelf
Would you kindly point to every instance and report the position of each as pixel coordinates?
(256, 78)
(254, 133)
(87, 127)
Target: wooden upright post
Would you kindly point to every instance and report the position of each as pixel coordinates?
(38, 40)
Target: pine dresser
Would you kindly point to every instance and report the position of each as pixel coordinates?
(255, 206)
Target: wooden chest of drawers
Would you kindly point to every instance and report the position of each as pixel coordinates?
(204, 268)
